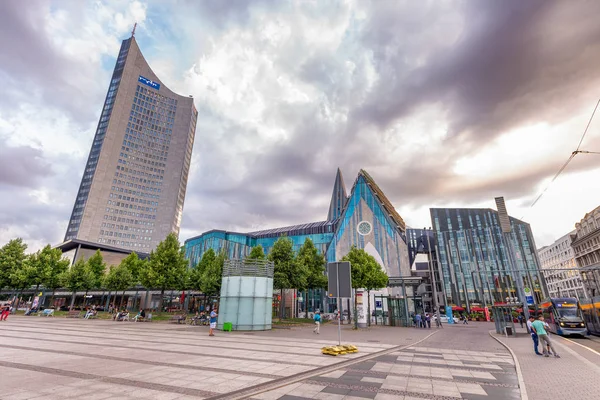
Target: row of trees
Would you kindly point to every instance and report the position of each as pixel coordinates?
(167, 268)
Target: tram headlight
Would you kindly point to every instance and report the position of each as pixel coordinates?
(562, 324)
(582, 325)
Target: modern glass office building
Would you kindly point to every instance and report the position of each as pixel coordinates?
(133, 187)
(365, 219)
(473, 254)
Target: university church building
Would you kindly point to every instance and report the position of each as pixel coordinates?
(365, 218)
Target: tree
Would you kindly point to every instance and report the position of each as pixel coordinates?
(54, 267)
(79, 277)
(21, 278)
(134, 265)
(358, 264)
(98, 267)
(165, 266)
(12, 256)
(375, 278)
(366, 273)
(314, 263)
(212, 276)
(288, 273)
(257, 253)
(119, 278)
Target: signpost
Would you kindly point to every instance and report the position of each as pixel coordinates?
(528, 296)
(339, 284)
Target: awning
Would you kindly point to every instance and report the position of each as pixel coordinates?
(457, 308)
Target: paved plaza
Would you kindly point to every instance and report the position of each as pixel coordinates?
(45, 358)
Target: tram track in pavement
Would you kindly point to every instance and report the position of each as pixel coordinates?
(592, 343)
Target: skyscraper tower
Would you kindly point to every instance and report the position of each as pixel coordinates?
(133, 187)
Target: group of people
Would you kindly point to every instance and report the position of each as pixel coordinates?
(422, 320)
(90, 312)
(538, 330)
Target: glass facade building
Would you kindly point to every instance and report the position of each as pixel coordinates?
(474, 259)
(365, 219)
(133, 187)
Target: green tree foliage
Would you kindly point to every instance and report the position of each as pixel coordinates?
(134, 265)
(165, 266)
(257, 253)
(54, 267)
(365, 272)
(97, 265)
(212, 275)
(120, 278)
(314, 264)
(12, 256)
(197, 271)
(288, 273)
(79, 277)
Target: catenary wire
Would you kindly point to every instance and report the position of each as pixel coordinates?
(577, 151)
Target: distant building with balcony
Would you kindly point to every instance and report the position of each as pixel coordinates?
(560, 268)
(586, 245)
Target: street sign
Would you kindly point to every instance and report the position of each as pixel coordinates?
(338, 276)
(528, 296)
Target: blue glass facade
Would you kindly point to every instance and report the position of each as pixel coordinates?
(383, 234)
(474, 256)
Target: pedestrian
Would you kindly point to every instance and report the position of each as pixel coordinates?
(317, 319)
(5, 312)
(540, 329)
(438, 322)
(465, 320)
(534, 336)
(521, 318)
(418, 320)
(213, 321)
(428, 320)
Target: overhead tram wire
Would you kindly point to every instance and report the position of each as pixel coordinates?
(573, 154)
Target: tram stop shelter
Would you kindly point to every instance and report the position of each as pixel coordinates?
(504, 320)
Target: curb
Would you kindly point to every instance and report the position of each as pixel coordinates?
(517, 367)
(284, 381)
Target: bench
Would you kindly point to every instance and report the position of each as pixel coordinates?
(178, 318)
(73, 314)
(48, 312)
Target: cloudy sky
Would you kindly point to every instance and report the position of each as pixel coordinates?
(444, 103)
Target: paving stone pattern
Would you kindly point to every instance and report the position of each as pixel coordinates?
(573, 376)
(45, 358)
(417, 372)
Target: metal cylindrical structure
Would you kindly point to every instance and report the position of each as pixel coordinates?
(246, 295)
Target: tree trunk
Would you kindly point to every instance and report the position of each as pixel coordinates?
(72, 300)
(355, 311)
(368, 307)
(306, 292)
(122, 299)
(115, 302)
(52, 299)
(85, 298)
(281, 304)
(107, 302)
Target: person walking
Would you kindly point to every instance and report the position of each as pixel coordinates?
(213, 321)
(534, 336)
(465, 320)
(5, 312)
(540, 329)
(428, 320)
(521, 318)
(317, 319)
(418, 320)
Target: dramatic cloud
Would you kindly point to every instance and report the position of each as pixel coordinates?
(444, 103)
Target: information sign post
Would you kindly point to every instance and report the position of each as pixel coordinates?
(339, 285)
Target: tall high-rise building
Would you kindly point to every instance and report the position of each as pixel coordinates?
(475, 257)
(559, 267)
(133, 187)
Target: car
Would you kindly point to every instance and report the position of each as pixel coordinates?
(444, 319)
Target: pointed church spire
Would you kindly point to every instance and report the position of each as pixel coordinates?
(133, 30)
(338, 198)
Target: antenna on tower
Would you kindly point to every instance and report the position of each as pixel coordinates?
(133, 31)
